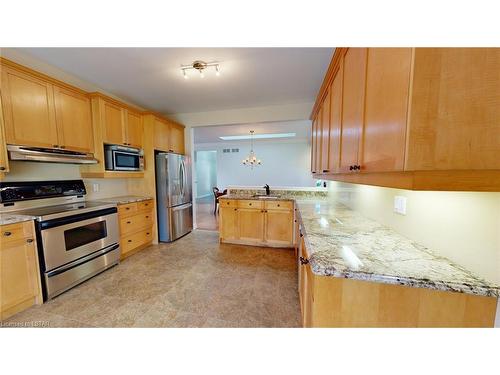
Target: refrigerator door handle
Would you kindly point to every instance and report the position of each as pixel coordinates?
(181, 207)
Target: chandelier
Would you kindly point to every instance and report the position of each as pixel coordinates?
(251, 160)
(200, 66)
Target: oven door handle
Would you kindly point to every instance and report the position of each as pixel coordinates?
(52, 223)
(82, 260)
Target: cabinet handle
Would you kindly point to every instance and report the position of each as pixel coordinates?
(127, 208)
(326, 170)
(358, 167)
(278, 205)
(303, 260)
(7, 234)
(147, 217)
(351, 167)
(147, 233)
(56, 146)
(249, 204)
(2, 168)
(129, 240)
(62, 146)
(235, 209)
(301, 235)
(29, 240)
(128, 222)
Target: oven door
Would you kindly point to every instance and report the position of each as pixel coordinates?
(126, 161)
(69, 238)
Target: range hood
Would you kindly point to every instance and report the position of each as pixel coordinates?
(49, 155)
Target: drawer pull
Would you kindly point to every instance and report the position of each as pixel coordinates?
(7, 234)
(127, 208)
(146, 204)
(147, 217)
(128, 222)
(29, 240)
(249, 204)
(303, 260)
(147, 233)
(278, 205)
(129, 240)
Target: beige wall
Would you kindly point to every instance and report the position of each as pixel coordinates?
(462, 226)
(31, 171)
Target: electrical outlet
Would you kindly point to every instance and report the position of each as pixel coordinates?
(400, 205)
(95, 188)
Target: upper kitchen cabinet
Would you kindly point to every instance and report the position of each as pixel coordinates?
(120, 125)
(42, 112)
(28, 108)
(73, 119)
(353, 96)
(4, 161)
(161, 134)
(176, 138)
(386, 105)
(454, 121)
(413, 118)
(325, 134)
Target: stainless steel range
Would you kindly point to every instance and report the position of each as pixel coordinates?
(77, 239)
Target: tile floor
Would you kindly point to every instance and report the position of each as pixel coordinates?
(194, 282)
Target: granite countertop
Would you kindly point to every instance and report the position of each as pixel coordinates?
(7, 218)
(252, 197)
(343, 243)
(124, 199)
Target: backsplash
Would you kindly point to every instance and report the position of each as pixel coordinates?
(295, 193)
(32, 171)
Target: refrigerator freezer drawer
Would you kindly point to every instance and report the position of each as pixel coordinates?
(180, 221)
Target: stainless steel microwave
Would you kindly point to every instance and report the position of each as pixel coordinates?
(122, 158)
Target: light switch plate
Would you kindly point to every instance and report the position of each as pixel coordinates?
(400, 205)
(95, 188)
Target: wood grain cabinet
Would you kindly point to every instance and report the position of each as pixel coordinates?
(4, 160)
(254, 222)
(176, 143)
(19, 272)
(121, 125)
(39, 112)
(136, 226)
(411, 118)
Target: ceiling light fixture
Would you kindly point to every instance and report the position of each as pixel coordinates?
(258, 136)
(251, 160)
(200, 66)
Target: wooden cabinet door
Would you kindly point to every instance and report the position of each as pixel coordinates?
(319, 127)
(455, 110)
(4, 160)
(335, 122)
(279, 227)
(228, 220)
(352, 106)
(161, 135)
(134, 129)
(28, 109)
(325, 134)
(114, 130)
(314, 126)
(18, 277)
(73, 119)
(176, 138)
(386, 106)
(251, 224)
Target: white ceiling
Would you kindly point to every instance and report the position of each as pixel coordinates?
(151, 78)
(211, 134)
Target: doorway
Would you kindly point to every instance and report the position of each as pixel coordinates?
(205, 181)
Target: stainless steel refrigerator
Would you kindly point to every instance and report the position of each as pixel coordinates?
(173, 194)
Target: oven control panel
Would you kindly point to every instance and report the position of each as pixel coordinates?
(22, 191)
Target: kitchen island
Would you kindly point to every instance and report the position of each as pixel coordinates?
(355, 272)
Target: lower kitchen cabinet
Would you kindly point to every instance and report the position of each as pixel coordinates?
(259, 223)
(19, 272)
(136, 226)
(328, 301)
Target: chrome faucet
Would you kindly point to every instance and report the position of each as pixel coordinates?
(266, 186)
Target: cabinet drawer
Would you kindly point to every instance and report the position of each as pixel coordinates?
(127, 209)
(228, 203)
(145, 205)
(133, 223)
(279, 205)
(17, 231)
(250, 204)
(135, 240)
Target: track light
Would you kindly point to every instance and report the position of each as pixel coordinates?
(200, 66)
